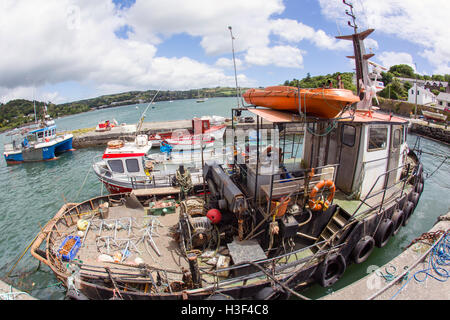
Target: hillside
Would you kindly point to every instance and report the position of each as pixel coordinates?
(19, 112)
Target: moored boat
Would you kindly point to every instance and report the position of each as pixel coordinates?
(40, 144)
(320, 102)
(127, 166)
(434, 116)
(209, 128)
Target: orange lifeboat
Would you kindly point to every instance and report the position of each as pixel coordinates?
(320, 102)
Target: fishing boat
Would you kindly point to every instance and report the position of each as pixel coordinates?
(126, 166)
(261, 229)
(105, 126)
(434, 116)
(186, 138)
(320, 102)
(40, 144)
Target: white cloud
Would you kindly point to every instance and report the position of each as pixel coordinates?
(281, 56)
(228, 63)
(424, 23)
(389, 59)
(294, 31)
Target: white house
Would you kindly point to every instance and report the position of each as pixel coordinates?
(424, 96)
(443, 101)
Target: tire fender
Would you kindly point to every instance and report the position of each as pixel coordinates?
(384, 232)
(363, 249)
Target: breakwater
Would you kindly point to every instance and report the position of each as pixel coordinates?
(433, 131)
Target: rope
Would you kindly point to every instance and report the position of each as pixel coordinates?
(437, 263)
(85, 178)
(11, 295)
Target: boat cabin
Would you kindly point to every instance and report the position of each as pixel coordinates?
(127, 159)
(41, 135)
(362, 153)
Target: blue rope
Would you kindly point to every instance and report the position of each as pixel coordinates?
(438, 261)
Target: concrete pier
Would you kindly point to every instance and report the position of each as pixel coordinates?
(9, 293)
(90, 138)
(412, 260)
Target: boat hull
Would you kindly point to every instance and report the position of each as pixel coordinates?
(43, 152)
(320, 102)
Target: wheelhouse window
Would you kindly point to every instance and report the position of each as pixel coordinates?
(40, 135)
(348, 135)
(398, 137)
(132, 165)
(377, 138)
(116, 166)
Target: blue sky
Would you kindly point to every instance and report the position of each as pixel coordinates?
(66, 50)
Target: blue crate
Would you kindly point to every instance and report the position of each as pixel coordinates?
(68, 256)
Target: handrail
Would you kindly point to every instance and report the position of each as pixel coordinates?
(385, 188)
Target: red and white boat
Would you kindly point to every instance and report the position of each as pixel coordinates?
(201, 133)
(105, 125)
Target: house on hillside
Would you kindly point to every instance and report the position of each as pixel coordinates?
(443, 101)
(424, 96)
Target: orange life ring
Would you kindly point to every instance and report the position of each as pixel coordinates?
(115, 144)
(318, 204)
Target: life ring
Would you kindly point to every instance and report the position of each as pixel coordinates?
(408, 208)
(331, 269)
(363, 249)
(384, 232)
(318, 204)
(397, 219)
(115, 144)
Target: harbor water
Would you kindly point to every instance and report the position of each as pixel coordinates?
(32, 193)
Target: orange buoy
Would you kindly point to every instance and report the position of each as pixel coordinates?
(115, 144)
(320, 102)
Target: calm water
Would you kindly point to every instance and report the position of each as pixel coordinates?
(32, 193)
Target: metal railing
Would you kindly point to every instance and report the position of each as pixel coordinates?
(383, 191)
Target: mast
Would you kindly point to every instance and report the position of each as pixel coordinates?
(360, 56)
(234, 62)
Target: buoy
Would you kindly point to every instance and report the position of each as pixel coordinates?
(82, 225)
(214, 216)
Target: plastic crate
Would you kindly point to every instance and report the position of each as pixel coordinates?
(162, 211)
(69, 253)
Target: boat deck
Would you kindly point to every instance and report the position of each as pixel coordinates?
(134, 234)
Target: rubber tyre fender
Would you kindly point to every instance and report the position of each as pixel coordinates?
(363, 249)
(384, 233)
(419, 172)
(419, 188)
(331, 270)
(265, 292)
(397, 219)
(219, 296)
(414, 198)
(407, 210)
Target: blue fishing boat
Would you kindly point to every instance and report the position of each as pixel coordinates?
(40, 144)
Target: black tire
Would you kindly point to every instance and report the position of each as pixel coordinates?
(363, 249)
(384, 233)
(407, 211)
(414, 198)
(330, 270)
(419, 188)
(397, 219)
(271, 294)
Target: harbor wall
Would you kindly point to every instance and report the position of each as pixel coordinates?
(91, 138)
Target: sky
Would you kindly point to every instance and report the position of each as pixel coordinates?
(68, 50)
